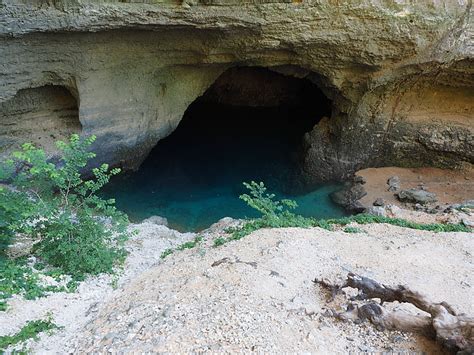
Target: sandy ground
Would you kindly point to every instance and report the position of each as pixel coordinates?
(450, 186)
(255, 294)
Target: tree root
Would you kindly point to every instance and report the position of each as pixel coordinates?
(453, 331)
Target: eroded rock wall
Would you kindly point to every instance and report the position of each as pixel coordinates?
(399, 73)
(426, 119)
(41, 115)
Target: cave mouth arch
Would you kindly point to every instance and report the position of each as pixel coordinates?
(41, 115)
(248, 125)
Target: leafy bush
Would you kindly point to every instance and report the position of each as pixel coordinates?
(29, 331)
(16, 277)
(275, 213)
(14, 209)
(272, 210)
(74, 229)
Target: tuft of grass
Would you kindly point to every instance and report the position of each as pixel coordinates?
(188, 245)
(219, 241)
(191, 244)
(353, 230)
(30, 331)
(167, 252)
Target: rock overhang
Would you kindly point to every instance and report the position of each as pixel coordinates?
(138, 66)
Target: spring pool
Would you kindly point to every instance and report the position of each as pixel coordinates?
(194, 176)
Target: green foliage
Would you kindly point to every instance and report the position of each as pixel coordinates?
(324, 224)
(353, 230)
(74, 229)
(29, 331)
(191, 244)
(272, 210)
(17, 278)
(187, 245)
(166, 253)
(432, 227)
(219, 241)
(274, 213)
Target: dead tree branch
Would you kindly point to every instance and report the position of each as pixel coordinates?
(453, 331)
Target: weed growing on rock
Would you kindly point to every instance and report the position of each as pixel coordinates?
(191, 244)
(166, 252)
(272, 210)
(188, 245)
(353, 230)
(274, 213)
(30, 331)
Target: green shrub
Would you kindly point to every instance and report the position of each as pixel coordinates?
(353, 230)
(219, 241)
(272, 210)
(29, 331)
(73, 228)
(191, 244)
(16, 277)
(167, 252)
(274, 213)
(14, 209)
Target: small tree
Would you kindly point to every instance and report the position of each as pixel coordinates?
(265, 203)
(275, 213)
(73, 227)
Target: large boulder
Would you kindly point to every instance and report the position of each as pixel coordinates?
(416, 196)
(349, 196)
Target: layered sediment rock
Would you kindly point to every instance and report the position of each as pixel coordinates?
(400, 74)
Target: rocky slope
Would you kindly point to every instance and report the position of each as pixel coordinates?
(399, 74)
(256, 294)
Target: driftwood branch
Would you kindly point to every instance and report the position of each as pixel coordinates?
(455, 332)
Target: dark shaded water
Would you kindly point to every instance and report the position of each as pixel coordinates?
(194, 177)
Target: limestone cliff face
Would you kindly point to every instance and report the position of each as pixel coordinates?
(400, 73)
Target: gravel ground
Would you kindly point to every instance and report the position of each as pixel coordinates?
(73, 311)
(259, 295)
(255, 294)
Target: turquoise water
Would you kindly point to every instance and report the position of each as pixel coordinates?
(194, 177)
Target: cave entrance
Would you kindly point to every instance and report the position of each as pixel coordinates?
(247, 126)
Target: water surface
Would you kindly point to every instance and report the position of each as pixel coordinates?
(194, 177)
